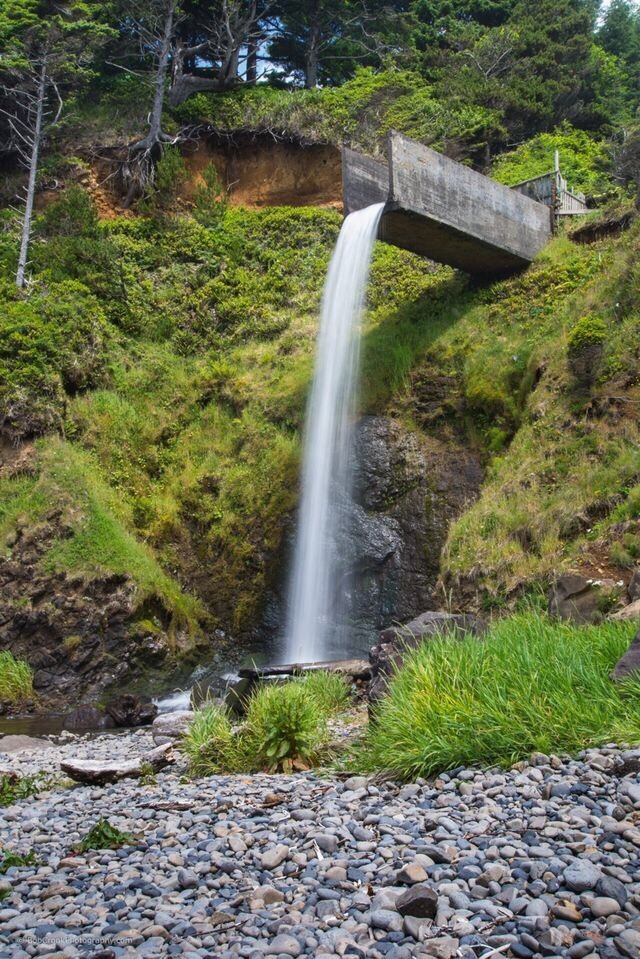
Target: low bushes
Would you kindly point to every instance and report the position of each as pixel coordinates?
(16, 679)
(532, 685)
(285, 728)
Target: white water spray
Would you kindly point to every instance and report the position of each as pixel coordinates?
(315, 604)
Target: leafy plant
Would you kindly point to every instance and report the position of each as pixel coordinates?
(285, 728)
(103, 835)
(16, 678)
(10, 860)
(14, 787)
(532, 684)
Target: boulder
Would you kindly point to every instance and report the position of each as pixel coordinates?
(394, 644)
(131, 710)
(633, 589)
(632, 611)
(96, 773)
(578, 599)
(87, 717)
(170, 727)
(630, 662)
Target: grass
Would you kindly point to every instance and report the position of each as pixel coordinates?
(532, 684)
(209, 743)
(329, 691)
(16, 679)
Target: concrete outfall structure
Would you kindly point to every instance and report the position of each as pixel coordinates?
(444, 210)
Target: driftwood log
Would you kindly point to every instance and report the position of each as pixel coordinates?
(95, 773)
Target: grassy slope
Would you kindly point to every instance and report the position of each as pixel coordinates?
(181, 452)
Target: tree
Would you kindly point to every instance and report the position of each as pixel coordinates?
(315, 37)
(49, 47)
(619, 36)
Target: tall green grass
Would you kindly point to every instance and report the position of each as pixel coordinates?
(532, 684)
(16, 678)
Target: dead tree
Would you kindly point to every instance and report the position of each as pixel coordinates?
(29, 120)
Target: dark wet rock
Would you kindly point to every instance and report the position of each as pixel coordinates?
(408, 487)
(394, 644)
(131, 710)
(419, 901)
(87, 717)
(629, 663)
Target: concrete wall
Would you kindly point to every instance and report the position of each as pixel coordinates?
(364, 181)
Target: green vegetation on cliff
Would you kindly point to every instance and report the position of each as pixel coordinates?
(172, 361)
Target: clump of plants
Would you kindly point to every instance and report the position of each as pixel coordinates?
(103, 835)
(585, 349)
(285, 728)
(14, 787)
(532, 684)
(209, 743)
(10, 860)
(16, 679)
(626, 552)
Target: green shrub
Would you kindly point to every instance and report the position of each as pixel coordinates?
(284, 727)
(585, 348)
(16, 679)
(103, 835)
(73, 213)
(210, 743)
(210, 200)
(532, 684)
(329, 691)
(52, 345)
(584, 161)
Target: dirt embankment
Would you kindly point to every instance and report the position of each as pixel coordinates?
(256, 171)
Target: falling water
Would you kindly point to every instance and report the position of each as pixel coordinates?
(315, 601)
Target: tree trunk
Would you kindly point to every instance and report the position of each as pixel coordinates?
(155, 122)
(311, 59)
(33, 173)
(252, 61)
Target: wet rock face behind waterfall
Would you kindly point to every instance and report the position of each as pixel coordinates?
(79, 637)
(408, 488)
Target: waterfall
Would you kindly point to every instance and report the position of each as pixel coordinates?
(315, 595)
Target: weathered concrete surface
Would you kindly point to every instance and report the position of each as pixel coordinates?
(364, 181)
(446, 211)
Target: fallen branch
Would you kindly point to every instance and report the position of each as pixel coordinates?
(95, 773)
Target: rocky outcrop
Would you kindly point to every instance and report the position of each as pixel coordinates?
(408, 488)
(396, 643)
(80, 637)
(580, 600)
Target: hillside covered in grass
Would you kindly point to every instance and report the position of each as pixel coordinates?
(165, 231)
